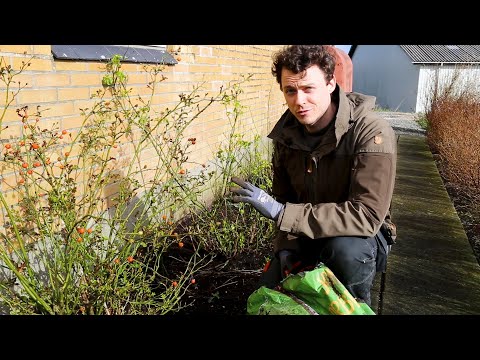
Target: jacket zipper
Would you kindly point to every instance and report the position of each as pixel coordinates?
(311, 162)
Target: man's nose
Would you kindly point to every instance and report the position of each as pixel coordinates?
(300, 98)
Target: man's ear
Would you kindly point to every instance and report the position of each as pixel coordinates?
(332, 84)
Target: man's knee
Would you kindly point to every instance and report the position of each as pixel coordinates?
(352, 260)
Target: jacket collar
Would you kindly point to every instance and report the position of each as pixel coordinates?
(344, 118)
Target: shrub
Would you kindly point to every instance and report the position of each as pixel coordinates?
(96, 215)
(453, 133)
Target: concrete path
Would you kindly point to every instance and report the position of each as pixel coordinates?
(431, 269)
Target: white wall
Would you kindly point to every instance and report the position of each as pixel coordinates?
(386, 72)
(468, 76)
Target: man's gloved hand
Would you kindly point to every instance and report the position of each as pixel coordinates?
(260, 200)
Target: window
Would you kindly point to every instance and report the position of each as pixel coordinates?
(155, 54)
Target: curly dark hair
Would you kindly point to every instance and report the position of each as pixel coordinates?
(298, 58)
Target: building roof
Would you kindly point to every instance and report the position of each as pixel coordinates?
(447, 54)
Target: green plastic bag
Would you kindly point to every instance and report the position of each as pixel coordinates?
(314, 292)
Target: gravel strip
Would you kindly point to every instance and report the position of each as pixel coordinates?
(403, 123)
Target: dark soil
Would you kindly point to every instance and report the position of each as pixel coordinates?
(223, 287)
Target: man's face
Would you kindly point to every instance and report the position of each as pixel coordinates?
(307, 95)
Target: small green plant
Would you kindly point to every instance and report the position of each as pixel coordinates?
(215, 296)
(225, 227)
(380, 108)
(422, 121)
(115, 75)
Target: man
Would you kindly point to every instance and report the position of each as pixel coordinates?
(334, 166)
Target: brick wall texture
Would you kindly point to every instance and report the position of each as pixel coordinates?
(62, 88)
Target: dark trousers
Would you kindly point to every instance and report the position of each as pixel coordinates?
(353, 260)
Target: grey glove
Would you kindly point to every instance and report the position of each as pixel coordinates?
(261, 201)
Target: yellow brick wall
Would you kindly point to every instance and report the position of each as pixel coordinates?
(61, 88)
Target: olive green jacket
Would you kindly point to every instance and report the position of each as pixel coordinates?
(342, 186)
